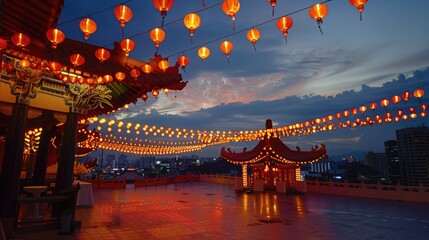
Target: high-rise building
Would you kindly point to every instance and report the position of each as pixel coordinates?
(393, 164)
(378, 162)
(413, 145)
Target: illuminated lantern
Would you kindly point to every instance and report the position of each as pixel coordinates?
(318, 12)
(90, 81)
(88, 27)
(192, 21)
(183, 61)
(423, 114)
(123, 14)
(413, 115)
(108, 78)
(359, 4)
(20, 39)
(354, 111)
(273, 4)
(135, 73)
(419, 93)
(384, 103)
(145, 97)
(424, 107)
(230, 8)
(77, 60)
(166, 91)
(203, 52)
(147, 68)
(411, 109)
(155, 93)
(120, 76)
(163, 7)
(55, 66)
(284, 24)
(346, 113)
(24, 63)
(253, 36)
(102, 54)
(406, 96)
(372, 106)
(157, 35)
(396, 99)
(163, 65)
(100, 80)
(399, 112)
(226, 47)
(55, 36)
(127, 46)
(3, 44)
(362, 109)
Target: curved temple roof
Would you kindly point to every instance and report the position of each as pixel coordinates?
(273, 148)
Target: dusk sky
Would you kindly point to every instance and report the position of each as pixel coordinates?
(353, 63)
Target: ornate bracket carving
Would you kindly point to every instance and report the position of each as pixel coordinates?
(82, 97)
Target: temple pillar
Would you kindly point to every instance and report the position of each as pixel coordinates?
(244, 174)
(67, 153)
(42, 153)
(12, 161)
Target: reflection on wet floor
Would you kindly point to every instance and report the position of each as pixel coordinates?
(211, 211)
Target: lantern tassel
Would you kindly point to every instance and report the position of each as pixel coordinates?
(254, 47)
(123, 33)
(272, 12)
(162, 23)
(233, 25)
(360, 16)
(285, 39)
(228, 59)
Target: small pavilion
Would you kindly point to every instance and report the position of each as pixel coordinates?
(274, 165)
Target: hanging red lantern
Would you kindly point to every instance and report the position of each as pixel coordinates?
(24, 63)
(20, 39)
(108, 78)
(157, 35)
(419, 93)
(411, 109)
(120, 76)
(55, 36)
(135, 73)
(183, 61)
(55, 66)
(102, 54)
(166, 91)
(144, 97)
(346, 113)
(127, 46)
(424, 107)
(399, 112)
(147, 68)
(155, 93)
(273, 4)
(88, 27)
(3, 44)
(90, 81)
(318, 12)
(253, 36)
(384, 103)
(284, 24)
(396, 99)
(423, 114)
(359, 4)
(203, 52)
(226, 47)
(163, 65)
(230, 8)
(77, 59)
(372, 106)
(406, 96)
(99, 80)
(362, 109)
(192, 21)
(124, 14)
(163, 7)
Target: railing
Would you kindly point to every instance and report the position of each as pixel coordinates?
(220, 179)
(103, 184)
(144, 182)
(389, 192)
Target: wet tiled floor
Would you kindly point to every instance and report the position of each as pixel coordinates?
(198, 210)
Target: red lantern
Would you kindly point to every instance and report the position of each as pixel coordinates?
(163, 65)
(384, 103)
(124, 14)
(419, 93)
(135, 73)
(396, 99)
(147, 68)
(102, 54)
(253, 36)
(230, 8)
(77, 59)
(55, 66)
(157, 35)
(318, 12)
(55, 36)
(284, 24)
(24, 63)
(3, 44)
(346, 113)
(163, 7)
(406, 96)
(192, 21)
(108, 78)
(359, 4)
(226, 47)
(20, 39)
(411, 109)
(372, 106)
(90, 81)
(203, 52)
(362, 109)
(424, 107)
(273, 4)
(120, 76)
(399, 112)
(183, 61)
(88, 27)
(155, 93)
(127, 46)
(145, 97)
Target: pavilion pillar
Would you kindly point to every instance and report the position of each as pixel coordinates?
(67, 153)
(244, 174)
(42, 153)
(12, 162)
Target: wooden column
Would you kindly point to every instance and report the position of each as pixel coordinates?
(42, 154)
(12, 161)
(67, 151)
